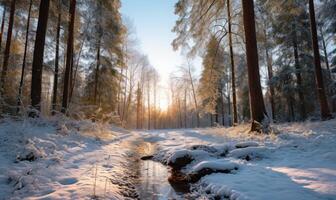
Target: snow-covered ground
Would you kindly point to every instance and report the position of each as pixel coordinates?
(297, 162)
(62, 159)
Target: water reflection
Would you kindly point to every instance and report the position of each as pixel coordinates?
(154, 183)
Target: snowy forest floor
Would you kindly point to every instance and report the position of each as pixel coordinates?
(64, 159)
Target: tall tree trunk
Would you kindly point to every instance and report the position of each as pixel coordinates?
(55, 86)
(69, 56)
(326, 60)
(119, 93)
(125, 95)
(298, 75)
(185, 108)
(97, 73)
(148, 104)
(325, 112)
(36, 82)
(194, 96)
(24, 59)
(270, 74)
(76, 70)
(155, 106)
(258, 111)
(7, 49)
(233, 76)
(229, 103)
(2, 25)
(222, 108)
(180, 113)
(139, 97)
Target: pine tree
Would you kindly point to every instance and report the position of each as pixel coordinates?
(7, 49)
(36, 83)
(258, 111)
(24, 57)
(69, 57)
(325, 112)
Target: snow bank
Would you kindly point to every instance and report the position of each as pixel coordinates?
(299, 160)
(249, 153)
(215, 165)
(51, 158)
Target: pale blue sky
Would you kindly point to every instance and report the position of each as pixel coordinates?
(154, 20)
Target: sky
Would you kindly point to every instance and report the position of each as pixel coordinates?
(153, 21)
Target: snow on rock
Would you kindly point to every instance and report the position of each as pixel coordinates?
(218, 165)
(223, 191)
(183, 157)
(299, 160)
(248, 153)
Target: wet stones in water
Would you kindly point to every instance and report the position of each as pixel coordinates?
(179, 181)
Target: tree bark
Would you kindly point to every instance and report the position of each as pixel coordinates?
(55, 86)
(97, 73)
(70, 46)
(194, 96)
(222, 109)
(326, 60)
(233, 76)
(19, 100)
(7, 49)
(270, 75)
(148, 104)
(325, 112)
(258, 111)
(2, 26)
(36, 83)
(138, 116)
(298, 75)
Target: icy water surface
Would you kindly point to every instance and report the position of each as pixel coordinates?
(153, 178)
(143, 179)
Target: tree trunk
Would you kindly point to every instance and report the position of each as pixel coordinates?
(326, 60)
(185, 108)
(119, 93)
(58, 31)
(194, 96)
(97, 73)
(148, 104)
(70, 46)
(298, 75)
(155, 106)
(270, 75)
(2, 25)
(19, 100)
(325, 112)
(222, 108)
(233, 76)
(7, 49)
(124, 95)
(36, 82)
(76, 69)
(258, 111)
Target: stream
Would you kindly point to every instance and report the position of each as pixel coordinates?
(144, 179)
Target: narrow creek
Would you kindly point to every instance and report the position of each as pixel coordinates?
(154, 176)
(144, 179)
